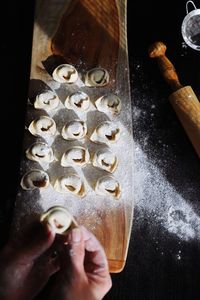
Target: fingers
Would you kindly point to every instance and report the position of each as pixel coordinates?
(34, 242)
(76, 250)
(95, 260)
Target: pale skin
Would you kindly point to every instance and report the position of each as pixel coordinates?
(80, 267)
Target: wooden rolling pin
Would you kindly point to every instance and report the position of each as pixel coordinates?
(183, 99)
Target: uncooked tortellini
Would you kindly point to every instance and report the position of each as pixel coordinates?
(65, 74)
(43, 126)
(47, 101)
(108, 186)
(106, 132)
(74, 130)
(105, 159)
(35, 179)
(77, 156)
(78, 101)
(71, 183)
(40, 152)
(96, 77)
(59, 219)
(109, 104)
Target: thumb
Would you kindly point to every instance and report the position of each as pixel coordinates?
(77, 250)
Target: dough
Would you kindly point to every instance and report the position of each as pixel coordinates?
(78, 101)
(105, 159)
(74, 130)
(71, 183)
(65, 74)
(77, 156)
(108, 186)
(59, 218)
(35, 179)
(43, 126)
(47, 101)
(109, 104)
(40, 152)
(106, 132)
(96, 77)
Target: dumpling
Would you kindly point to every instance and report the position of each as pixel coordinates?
(74, 130)
(106, 132)
(71, 183)
(47, 101)
(43, 126)
(79, 101)
(65, 74)
(109, 104)
(35, 179)
(59, 218)
(105, 159)
(78, 156)
(97, 77)
(108, 186)
(40, 152)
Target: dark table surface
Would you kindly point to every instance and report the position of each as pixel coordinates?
(164, 255)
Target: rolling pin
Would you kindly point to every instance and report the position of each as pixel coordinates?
(183, 99)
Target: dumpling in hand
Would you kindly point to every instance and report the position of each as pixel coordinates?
(74, 130)
(43, 126)
(59, 219)
(109, 104)
(47, 101)
(106, 132)
(40, 152)
(108, 186)
(78, 101)
(71, 183)
(65, 73)
(105, 159)
(35, 179)
(77, 156)
(97, 77)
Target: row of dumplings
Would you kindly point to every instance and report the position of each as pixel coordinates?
(71, 183)
(66, 73)
(106, 132)
(75, 156)
(79, 102)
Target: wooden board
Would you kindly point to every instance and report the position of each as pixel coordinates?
(86, 34)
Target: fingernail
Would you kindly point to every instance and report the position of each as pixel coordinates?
(48, 228)
(76, 235)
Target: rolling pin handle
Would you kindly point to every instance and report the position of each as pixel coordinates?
(157, 50)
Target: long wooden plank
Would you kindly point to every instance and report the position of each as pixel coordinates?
(86, 34)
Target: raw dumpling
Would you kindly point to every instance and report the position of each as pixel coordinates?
(105, 159)
(35, 179)
(43, 126)
(108, 185)
(47, 101)
(59, 218)
(74, 130)
(78, 156)
(65, 74)
(96, 77)
(79, 101)
(109, 104)
(106, 132)
(71, 183)
(40, 152)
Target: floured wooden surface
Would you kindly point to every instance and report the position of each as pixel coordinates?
(109, 219)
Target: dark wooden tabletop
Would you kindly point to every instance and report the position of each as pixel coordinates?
(164, 254)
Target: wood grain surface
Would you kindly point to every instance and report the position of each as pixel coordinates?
(88, 34)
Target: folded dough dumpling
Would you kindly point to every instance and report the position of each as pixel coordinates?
(40, 152)
(96, 77)
(78, 101)
(59, 219)
(43, 126)
(109, 104)
(47, 101)
(35, 179)
(74, 130)
(75, 156)
(71, 183)
(106, 132)
(65, 73)
(105, 159)
(108, 186)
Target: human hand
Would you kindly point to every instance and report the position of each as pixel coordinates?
(84, 273)
(26, 263)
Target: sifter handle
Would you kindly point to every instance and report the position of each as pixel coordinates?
(157, 50)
